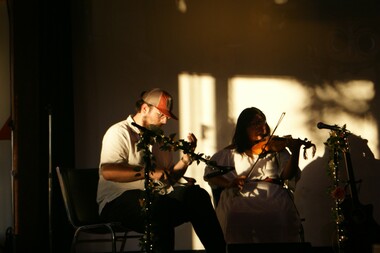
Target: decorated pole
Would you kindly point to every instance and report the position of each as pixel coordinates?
(148, 137)
(337, 146)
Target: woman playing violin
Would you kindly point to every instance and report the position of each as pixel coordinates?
(255, 206)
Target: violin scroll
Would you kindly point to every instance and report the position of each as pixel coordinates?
(307, 144)
(277, 144)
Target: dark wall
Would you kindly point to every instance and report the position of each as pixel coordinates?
(42, 98)
(121, 47)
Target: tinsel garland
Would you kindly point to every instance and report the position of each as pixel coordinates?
(337, 145)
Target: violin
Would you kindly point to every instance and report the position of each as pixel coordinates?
(276, 144)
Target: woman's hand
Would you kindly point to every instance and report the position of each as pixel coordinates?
(295, 144)
(238, 182)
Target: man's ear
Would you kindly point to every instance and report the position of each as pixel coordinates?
(145, 109)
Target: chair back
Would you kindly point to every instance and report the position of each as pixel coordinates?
(79, 189)
(216, 195)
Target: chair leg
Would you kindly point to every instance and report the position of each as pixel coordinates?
(123, 242)
(113, 240)
(74, 242)
(73, 247)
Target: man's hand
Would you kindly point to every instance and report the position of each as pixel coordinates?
(159, 174)
(193, 141)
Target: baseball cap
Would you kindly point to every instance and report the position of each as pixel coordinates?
(161, 100)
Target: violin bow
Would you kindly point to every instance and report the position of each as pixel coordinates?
(261, 155)
(272, 134)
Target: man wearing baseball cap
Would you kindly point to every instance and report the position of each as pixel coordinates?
(121, 181)
(161, 100)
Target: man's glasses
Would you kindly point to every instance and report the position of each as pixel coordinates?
(160, 115)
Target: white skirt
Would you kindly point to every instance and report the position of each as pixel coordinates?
(262, 212)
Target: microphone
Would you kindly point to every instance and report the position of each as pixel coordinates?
(322, 125)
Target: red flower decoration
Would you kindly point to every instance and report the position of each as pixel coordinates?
(338, 193)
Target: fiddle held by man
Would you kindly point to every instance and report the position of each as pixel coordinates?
(255, 205)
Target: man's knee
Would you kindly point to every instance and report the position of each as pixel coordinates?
(197, 193)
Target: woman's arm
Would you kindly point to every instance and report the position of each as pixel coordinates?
(292, 167)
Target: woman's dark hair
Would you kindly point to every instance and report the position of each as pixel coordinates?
(240, 139)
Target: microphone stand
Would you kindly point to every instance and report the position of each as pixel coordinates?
(50, 180)
(148, 245)
(144, 142)
(337, 144)
(149, 137)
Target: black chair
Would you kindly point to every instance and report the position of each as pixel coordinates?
(216, 194)
(79, 189)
